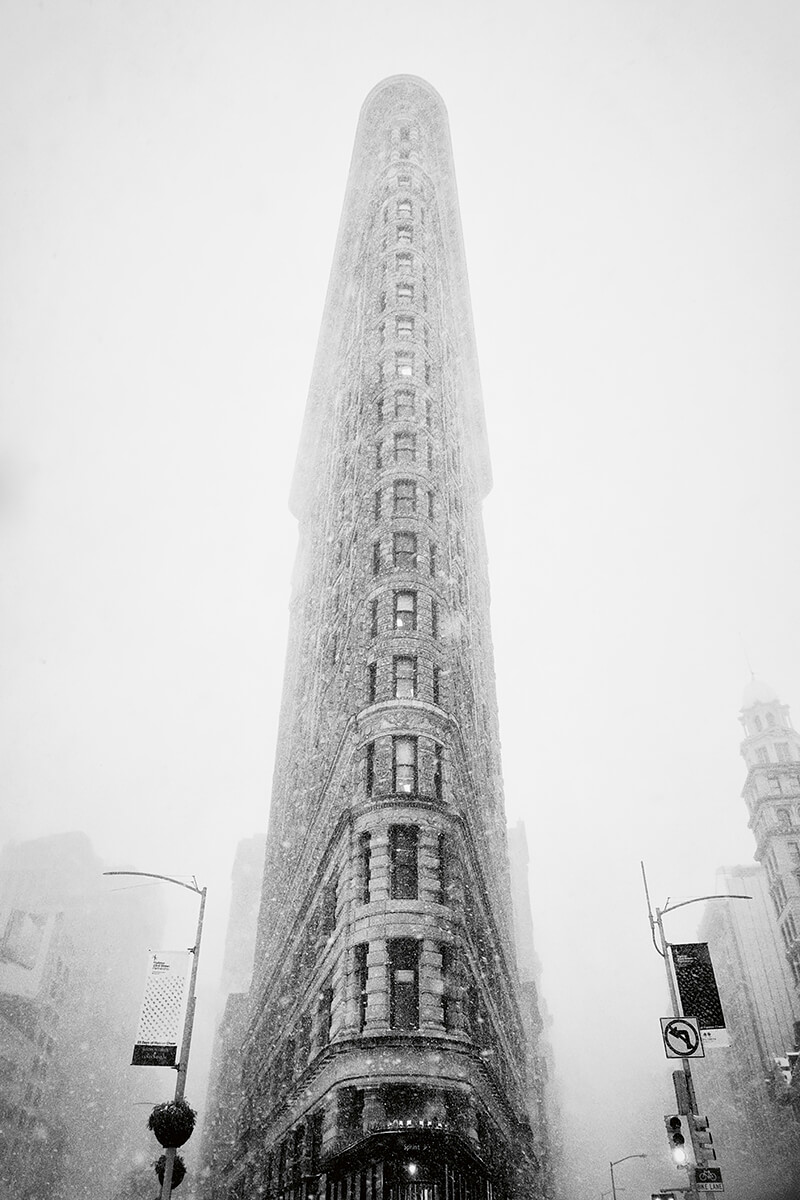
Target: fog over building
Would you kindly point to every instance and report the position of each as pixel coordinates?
(71, 964)
(756, 956)
(387, 1047)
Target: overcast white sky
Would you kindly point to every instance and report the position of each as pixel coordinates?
(173, 175)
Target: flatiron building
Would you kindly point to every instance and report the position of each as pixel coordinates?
(385, 1055)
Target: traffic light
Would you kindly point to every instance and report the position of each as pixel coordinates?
(677, 1141)
(702, 1140)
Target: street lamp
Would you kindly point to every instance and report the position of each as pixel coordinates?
(616, 1163)
(183, 1062)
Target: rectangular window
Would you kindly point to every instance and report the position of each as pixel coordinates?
(405, 677)
(404, 235)
(369, 775)
(382, 332)
(373, 618)
(404, 766)
(432, 557)
(404, 262)
(327, 912)
(404, 365)
(404, 182)
(382, 301)
(376, 558)
(324, 1008)
(405, 551)
(430, 455)
(379, 409)
(405, 447)
(774, 784)
(782, 750)
(378, 455)
(364, 867)
(434, 619)
(449, 985)
(405, 610)
(438, 762)
(436, 684)
(378, 505)
(403, 983)
(405, 293)
(404, 208)
(405, 497)
(372, 682)
(404, 406)
(427, 373)
(430, 506)
(405, 327)
(403, 855)
(361, 951)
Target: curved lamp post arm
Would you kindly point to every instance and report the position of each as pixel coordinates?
(186, 1040)
(616, 1163)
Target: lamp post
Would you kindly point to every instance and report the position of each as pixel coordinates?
(662, 946)
(616, 1163)
(186, 1041)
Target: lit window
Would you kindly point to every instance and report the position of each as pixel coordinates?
(404, 262)
(403, 965)
(405, 327)
(405, 610)
(405, 677)
(403, 881)
(405, 497)
(405, 551)
(404, 406)
(404, 365)
(405, 293)
(405, 764)
(405, 447)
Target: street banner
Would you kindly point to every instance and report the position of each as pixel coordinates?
(162, 1009)
(698, 991)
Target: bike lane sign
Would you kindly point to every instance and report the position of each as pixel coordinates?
(681, 1037)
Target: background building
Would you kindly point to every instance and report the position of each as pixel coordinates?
(771, 749)
(219, 1114)
(71, 972)
(386, 1048)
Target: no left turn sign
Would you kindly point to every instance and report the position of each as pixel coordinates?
(681, 1037)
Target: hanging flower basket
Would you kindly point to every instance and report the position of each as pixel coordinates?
(178, 1170)
(172, 1123)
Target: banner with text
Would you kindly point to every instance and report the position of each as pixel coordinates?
(162, 1009)
(697, 988)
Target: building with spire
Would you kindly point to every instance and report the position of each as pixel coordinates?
(385, 1052)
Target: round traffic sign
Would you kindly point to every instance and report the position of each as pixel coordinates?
(681, 1037)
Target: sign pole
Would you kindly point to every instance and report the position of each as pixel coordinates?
(186, 1042)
